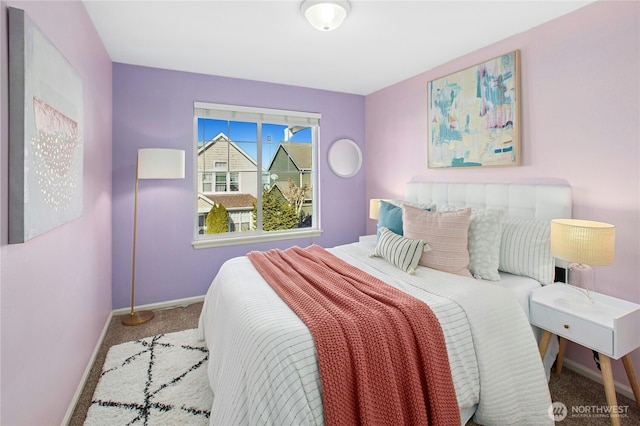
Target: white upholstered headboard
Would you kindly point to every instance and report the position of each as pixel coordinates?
(526, 201)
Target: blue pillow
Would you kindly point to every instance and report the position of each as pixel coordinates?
(390, 217)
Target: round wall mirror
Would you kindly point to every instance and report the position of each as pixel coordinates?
(345, 158)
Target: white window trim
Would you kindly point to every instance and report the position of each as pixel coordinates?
(240, 113)
(251, 238)
(278, 116)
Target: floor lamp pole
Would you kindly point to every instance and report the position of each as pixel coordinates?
(141, 317)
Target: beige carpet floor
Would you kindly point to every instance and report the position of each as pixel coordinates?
(575, 391)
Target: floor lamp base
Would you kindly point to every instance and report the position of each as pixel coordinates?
(137, 318)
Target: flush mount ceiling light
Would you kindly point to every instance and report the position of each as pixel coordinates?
(325, 15)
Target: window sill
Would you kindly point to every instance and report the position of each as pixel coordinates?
(256, 238)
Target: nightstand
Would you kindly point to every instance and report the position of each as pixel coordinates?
(609, 326)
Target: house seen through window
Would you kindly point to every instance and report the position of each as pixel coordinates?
(256, 173)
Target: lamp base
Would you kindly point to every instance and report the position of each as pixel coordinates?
(137, 318)
(581, 275)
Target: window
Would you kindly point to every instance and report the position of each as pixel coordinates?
(205, 182)
(202, 224)
(221, 182)
(234, 179)
(256, 173)
(227, 182)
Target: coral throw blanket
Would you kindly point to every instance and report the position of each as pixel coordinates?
(381, 352)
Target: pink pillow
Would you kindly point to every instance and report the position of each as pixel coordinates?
(445, 232)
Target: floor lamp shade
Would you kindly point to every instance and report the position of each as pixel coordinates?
(152, 163)
(160, 163)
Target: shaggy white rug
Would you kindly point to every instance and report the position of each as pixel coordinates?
(159, 380)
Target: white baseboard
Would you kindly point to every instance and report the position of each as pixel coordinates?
(161, 305)
(87, 371)
(116, 312)
(597, 377)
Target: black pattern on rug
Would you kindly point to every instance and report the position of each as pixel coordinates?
(156, 380)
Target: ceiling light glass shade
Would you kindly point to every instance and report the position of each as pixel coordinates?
(325, 15)
(583, 241)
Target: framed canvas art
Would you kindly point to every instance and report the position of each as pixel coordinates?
(474, 115)
(45, 133)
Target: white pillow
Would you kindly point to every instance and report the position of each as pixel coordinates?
(402, 252)
(525, 249)
(424, 206)
(485, 235)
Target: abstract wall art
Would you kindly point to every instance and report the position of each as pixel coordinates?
(45, 133)
(474, 115)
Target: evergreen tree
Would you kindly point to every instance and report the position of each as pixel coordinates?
(217, 220)
(277, 213)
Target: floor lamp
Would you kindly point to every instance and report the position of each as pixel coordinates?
(152, 163)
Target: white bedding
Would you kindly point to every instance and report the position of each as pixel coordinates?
(521, 288)
(263, 369)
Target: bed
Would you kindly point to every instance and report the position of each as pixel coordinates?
(263, 365)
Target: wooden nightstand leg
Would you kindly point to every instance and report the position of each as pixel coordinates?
(560, 360)
(631, 375)
(544, 342)
(609, 389)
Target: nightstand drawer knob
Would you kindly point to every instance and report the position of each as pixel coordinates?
(566, 326)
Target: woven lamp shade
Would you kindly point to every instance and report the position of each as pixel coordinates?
(583, 241)
(374, 208)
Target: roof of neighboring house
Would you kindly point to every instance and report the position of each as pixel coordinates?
(221, 137)
(230, 201)
(217, 138)
(299, 152)
(280, 186)
(283, 187)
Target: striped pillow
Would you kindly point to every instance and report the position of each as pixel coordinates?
(525, 249)
(447, 234)
(399, 251)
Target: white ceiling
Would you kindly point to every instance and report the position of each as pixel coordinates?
(379, 44)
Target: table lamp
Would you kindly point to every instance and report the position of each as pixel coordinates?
(582, 243)
(152, 163)
(374, 208)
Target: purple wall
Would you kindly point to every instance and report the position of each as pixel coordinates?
(154, 108)
(580, 109)
(56, 288)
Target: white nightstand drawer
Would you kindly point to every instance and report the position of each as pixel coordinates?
(576, 329)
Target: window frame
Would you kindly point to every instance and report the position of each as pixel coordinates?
(221, 181)
(261, 116)
(207, 179)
